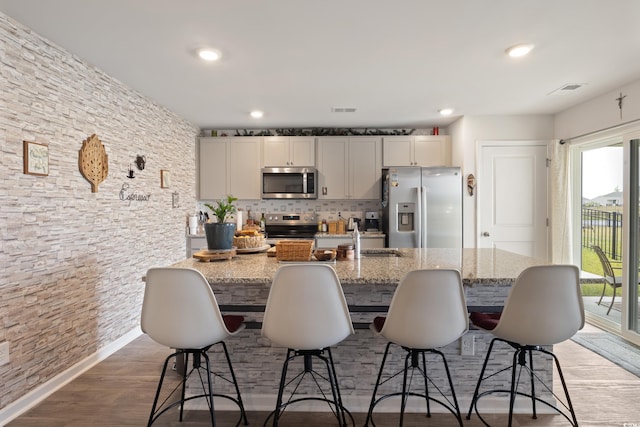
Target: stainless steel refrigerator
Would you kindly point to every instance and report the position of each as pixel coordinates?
(422, 207)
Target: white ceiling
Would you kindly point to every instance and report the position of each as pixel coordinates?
(397, 62)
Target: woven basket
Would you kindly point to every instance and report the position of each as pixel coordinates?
(294, 250)
(246, 242)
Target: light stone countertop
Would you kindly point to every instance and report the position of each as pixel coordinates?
(477, 266)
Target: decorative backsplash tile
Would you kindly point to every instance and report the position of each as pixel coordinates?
(325, 209)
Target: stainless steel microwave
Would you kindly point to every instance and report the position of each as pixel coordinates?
(289, 183)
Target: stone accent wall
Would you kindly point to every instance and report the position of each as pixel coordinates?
(72, 260)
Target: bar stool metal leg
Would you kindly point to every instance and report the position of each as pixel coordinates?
(426, 385)
(412, 363)
(243, 413)
(335, 401)
(519, 362)
(375, 388)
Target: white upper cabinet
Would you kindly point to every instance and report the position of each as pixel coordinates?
(422, 150)
(230, 165)
(289, 151)
(244, 163)
(398, 151)
(213, 168)
(365, 167)
(349, 168)
(332, 168)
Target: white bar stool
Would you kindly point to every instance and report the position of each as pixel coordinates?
(180, 311)
(427, 311)
(307, 313)
(544, 307)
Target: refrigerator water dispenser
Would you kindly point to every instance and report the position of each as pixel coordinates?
(406, 216)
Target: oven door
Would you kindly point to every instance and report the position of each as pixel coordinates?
(289, 232)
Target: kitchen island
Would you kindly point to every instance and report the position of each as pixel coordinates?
(241, 285)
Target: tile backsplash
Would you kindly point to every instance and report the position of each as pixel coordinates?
(325, 209)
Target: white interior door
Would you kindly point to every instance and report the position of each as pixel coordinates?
(512, 197)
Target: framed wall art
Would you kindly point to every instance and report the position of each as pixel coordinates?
(165, 178)
(36, 158)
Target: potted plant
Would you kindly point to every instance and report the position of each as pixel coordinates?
(220, 234)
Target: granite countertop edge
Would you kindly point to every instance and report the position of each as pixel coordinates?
(478, 267)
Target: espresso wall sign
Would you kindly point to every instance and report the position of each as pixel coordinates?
(127, 196)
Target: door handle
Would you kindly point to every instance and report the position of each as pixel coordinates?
(486, 234)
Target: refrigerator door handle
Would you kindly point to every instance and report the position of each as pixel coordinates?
(423, 217)
(418, 218)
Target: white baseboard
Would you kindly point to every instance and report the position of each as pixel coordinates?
(31, 399)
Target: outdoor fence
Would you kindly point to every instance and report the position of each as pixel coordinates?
(603, 229)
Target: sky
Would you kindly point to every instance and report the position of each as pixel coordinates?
(601, 171)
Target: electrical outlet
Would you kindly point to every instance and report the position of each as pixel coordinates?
(4, 353)
(467, 345)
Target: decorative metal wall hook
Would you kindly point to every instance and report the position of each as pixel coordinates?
(140, 162)
(471, 184)
(130, 175)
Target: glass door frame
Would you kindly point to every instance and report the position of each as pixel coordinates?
(628, 327)
(631, 210)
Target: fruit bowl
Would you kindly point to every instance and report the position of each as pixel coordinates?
(325, 254)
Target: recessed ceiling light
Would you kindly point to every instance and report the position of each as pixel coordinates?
(519, 50)
(446, 111)
(209, 54)
(257, 114)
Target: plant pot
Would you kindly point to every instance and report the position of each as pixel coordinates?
(220, 235)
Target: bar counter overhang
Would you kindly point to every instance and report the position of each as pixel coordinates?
(241, 285)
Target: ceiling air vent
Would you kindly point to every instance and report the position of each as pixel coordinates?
(566, 89)
(343, 109)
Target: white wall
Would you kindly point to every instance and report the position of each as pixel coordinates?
(599, 113)
(465, 134)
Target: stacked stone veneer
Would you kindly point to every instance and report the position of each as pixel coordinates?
(72, 260)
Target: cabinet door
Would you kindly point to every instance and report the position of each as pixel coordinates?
(372, 242)
(213, 168)
(302, 151)
(276, 151)
(365, 167)
(244, 167)
(432, 150)
(195, 244)
(332, 168)
(398, 151)
(332, 242)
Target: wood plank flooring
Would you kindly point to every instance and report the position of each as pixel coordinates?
(119, 392)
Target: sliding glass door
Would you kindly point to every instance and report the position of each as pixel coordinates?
(606, 228)
(601, 189)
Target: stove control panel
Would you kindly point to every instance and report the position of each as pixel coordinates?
(290, 218)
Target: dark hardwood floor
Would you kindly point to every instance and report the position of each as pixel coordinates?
(119, 391)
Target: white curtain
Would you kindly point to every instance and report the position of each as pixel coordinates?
(561, 213)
